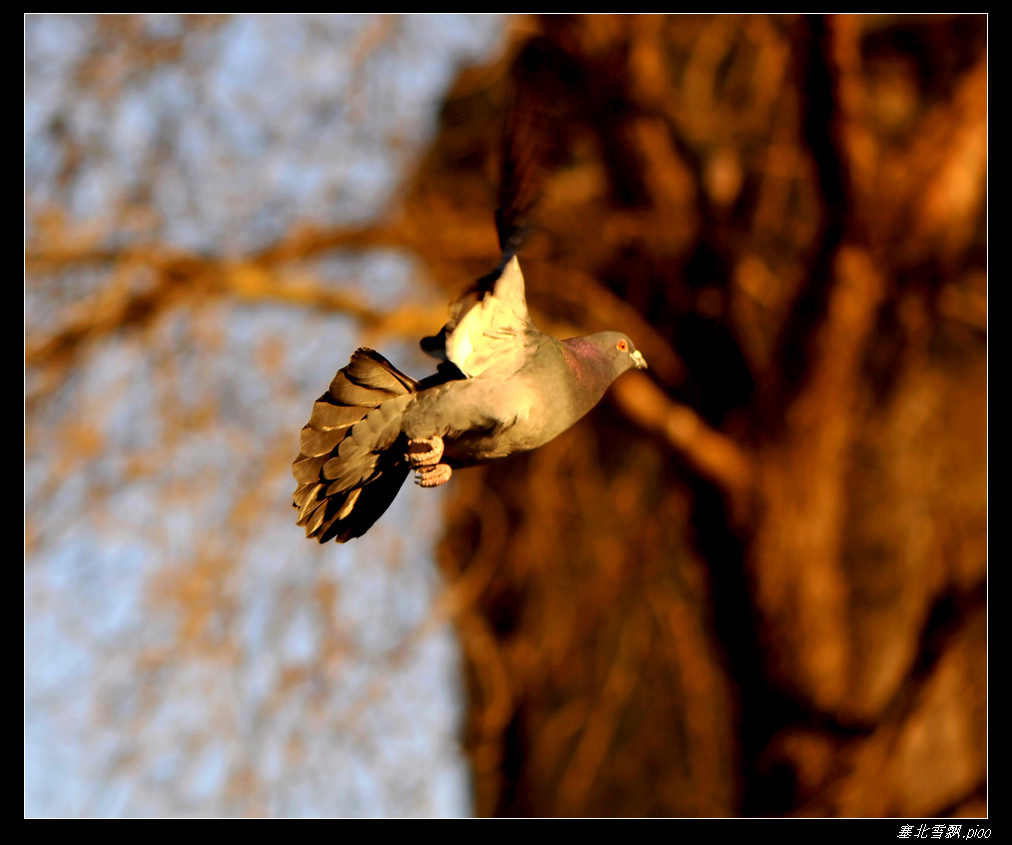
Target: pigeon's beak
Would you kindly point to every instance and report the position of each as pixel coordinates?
(639, 360)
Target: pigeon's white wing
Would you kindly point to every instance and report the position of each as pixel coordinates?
(491, 335)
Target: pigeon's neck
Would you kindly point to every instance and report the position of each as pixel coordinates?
(592, 370)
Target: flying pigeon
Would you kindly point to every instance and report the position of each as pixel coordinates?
(502, 386)
(505, 387)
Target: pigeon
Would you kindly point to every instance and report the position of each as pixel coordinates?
(503, 387)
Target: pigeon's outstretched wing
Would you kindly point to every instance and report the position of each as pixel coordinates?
(489, 327)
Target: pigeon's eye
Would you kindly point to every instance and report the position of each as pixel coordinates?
(622, 345)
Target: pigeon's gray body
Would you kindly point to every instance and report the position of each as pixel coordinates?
(512, 389)
(496, 415)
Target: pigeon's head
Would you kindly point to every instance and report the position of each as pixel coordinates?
(620, 351)
(594, 362)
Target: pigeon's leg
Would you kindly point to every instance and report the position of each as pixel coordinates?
(424, 452)
(432, 476)
(423, 457)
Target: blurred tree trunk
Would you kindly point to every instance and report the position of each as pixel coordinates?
(754, 580)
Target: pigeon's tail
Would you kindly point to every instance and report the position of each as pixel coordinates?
(347, 471)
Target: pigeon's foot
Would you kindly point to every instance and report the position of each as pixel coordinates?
(425, 453)
(432, 475)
